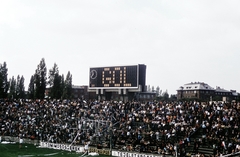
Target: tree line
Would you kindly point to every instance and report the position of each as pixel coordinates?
(58, 86)
(161, 95)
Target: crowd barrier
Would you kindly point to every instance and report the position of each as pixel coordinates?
(68, 147)
(133, 154)
(100, 151)
(17, 139)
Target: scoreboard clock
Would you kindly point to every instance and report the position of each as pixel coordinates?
(114, 77)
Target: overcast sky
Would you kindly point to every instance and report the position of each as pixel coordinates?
(179, 41)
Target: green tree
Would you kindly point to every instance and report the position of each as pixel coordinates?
(173, 97)
(165, 95)
(20, 88)
(55, 83)
(16, 88)
(40, 80)
(4, 84)
(62, 85)
(31, 89)
(63, 82)
(12, 88)
(153, 90)
(157, 91)
(52, 72)
(67, 91)
(37, 87)
(58, 86)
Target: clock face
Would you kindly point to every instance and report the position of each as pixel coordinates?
(93, 74)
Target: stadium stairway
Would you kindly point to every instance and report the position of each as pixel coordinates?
(204, 148)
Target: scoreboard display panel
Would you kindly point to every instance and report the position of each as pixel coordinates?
(114, 77)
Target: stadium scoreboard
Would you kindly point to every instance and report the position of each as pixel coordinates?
(114, 77)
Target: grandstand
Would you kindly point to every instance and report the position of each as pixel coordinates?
(157, 128)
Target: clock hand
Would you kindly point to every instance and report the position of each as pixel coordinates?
(92, 74)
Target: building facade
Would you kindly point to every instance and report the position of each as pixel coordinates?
(202, 91)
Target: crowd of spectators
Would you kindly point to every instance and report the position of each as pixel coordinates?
(152, 127)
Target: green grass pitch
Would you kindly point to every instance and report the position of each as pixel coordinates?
(30, 150)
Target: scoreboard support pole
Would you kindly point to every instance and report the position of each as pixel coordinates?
(100, 94)
(120, 94)
(125, 95)
(97, 94)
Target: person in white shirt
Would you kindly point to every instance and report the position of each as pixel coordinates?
(86, 146)
(20, 142)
